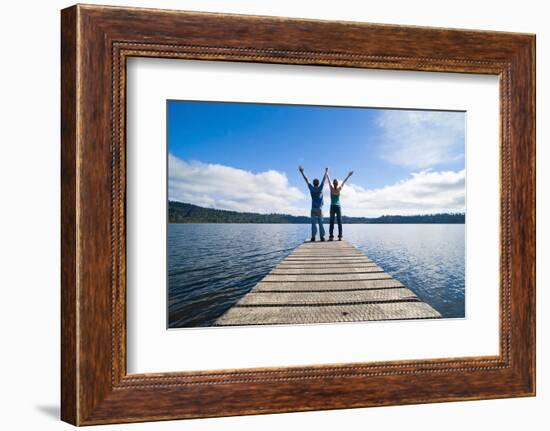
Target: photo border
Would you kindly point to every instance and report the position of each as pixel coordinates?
(95, 42)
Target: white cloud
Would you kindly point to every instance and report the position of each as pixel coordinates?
(424, 192)
(224, 187)
(421, 139)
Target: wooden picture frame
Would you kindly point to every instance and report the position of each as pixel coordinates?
(95, 43)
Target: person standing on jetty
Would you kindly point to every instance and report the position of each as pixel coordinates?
(316, 191)
(335, 208)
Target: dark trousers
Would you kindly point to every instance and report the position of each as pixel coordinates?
(335, 210)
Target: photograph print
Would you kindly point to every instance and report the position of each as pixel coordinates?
(301, 214)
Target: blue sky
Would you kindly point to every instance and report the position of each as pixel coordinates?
(245, 157)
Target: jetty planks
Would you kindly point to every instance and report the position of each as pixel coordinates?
(324, 282)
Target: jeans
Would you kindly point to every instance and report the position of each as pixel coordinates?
(317, 219)
(335, 210)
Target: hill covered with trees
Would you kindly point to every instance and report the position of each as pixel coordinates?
(180, 212)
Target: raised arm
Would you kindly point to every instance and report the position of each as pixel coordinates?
(325, 175)
(329, 181)
(301, 169)
(344, 182)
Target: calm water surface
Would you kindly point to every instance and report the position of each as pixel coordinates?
(212, 266)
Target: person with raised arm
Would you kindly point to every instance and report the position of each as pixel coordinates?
(335, 208)
(316, 191)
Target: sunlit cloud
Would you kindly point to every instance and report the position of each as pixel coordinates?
(424, 192)
(225, 187)
(421, 139)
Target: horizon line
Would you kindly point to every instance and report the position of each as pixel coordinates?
(463, 213)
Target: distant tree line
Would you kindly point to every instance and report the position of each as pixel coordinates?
(442, 218)
(180, 212)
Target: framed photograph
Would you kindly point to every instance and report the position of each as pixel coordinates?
(263, 214)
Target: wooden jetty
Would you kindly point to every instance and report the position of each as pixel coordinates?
(324, 282)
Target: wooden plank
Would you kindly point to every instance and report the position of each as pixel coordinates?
(326, 314)
(326, 249)
(314, 244)
(317, 265)
(335, 258)
(323, 264)
(356, 261)
(313, 298)
(328, 271)
(324, 255)
(329, 251)
(319, 262)
(326, 277)
(386, 283)
(327, 256)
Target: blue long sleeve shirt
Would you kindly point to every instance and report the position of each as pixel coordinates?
(317, 195)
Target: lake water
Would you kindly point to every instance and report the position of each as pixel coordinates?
(212, 266)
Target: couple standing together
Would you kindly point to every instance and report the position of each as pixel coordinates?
(316, 191)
